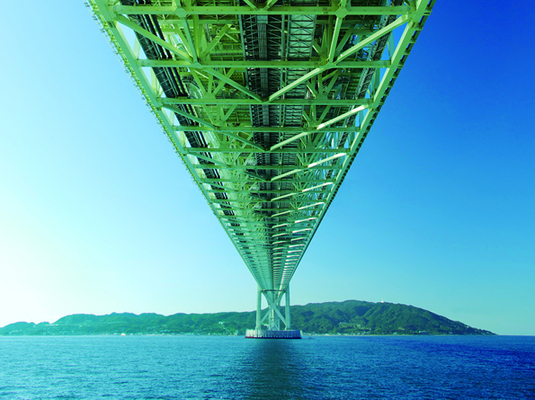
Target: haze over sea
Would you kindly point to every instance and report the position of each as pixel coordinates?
(210, 367)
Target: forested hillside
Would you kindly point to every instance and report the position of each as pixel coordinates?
(348, 317)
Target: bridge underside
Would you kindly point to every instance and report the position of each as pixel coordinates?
(267, 104)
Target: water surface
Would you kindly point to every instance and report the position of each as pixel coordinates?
(207, 367)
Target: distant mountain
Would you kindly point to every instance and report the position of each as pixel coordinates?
(351, 317)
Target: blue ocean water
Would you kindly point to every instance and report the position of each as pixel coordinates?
(208, 367)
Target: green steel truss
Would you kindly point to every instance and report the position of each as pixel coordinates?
(266, 103)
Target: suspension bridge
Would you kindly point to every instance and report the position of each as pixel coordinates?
(266, 103)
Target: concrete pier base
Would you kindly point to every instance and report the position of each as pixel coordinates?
(266, 334)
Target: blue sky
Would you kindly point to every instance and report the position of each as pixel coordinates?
(98, 215)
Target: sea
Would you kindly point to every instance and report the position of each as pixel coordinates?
(316, 367)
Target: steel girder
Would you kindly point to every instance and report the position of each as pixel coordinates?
(266, 103)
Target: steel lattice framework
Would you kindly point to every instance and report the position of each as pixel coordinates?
(266, 103)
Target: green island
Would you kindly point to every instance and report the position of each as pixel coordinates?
(351, 317)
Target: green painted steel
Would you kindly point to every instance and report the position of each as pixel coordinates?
(267, 104)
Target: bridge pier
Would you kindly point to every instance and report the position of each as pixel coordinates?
(267, 334)
(273, 317)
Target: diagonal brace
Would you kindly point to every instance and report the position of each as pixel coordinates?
(273, 306)
(135, 27)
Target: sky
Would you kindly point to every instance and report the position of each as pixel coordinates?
(98, 214)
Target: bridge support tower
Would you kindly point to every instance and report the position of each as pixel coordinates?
(268, 325)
